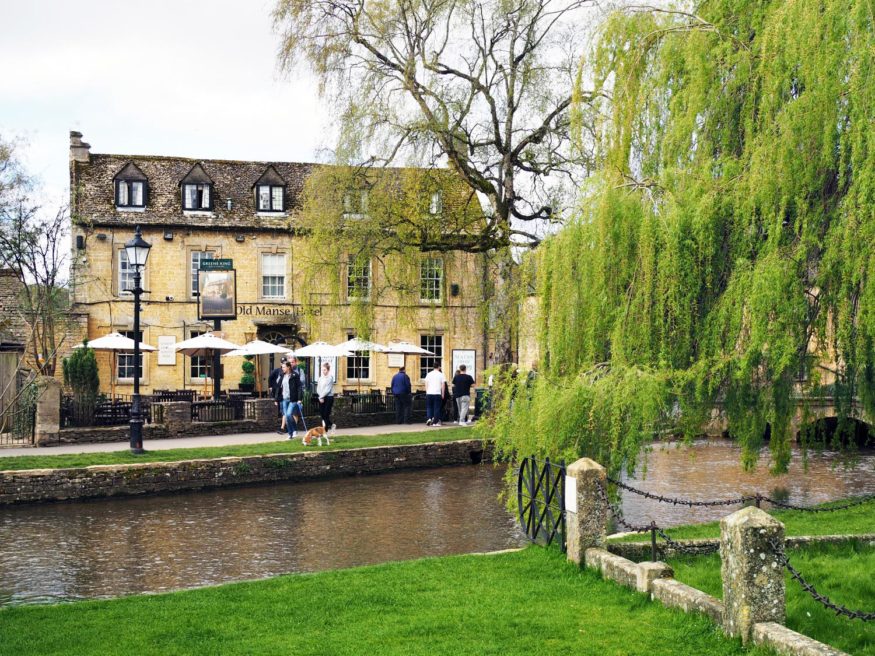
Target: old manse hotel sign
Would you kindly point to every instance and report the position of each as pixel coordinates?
(193, 210)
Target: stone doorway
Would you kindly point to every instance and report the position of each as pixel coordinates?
(287, 336)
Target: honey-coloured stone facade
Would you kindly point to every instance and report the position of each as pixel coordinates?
(234, 229)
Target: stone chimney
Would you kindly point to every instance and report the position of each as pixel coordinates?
(79, 150)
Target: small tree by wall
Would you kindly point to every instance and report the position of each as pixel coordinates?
(80, 372)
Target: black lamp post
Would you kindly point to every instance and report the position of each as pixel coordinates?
(137, 250)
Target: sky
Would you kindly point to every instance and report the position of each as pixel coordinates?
(190, 78)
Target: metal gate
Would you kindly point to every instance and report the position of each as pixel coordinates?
(541, 500)
(18, 413)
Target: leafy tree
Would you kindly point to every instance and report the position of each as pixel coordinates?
(34, 244)
(723, 257)
(484, 87)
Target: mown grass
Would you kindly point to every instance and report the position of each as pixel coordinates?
(842, 572)
(859, 519)
(284, 446)
(529, 602)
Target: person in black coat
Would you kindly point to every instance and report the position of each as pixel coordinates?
(273, 380)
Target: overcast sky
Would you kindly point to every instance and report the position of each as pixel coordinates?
(191, 78)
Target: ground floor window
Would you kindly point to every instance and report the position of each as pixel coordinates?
(199, 366)
(435, 344)
(126, 360)
(358, 367)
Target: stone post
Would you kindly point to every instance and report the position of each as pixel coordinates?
(176, 416)
(586, 516)
(263, 412)
(753, 579)
(47, 425)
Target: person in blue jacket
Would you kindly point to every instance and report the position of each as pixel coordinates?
(402, 392)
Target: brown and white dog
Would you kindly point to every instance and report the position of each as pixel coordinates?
(316, 433)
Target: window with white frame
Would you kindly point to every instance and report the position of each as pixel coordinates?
(358, 277)
(270, 198)
(130, 193)
(435, 344)
(126, 360)
(125, 272)
(197, 196)
(431, 279)
(436, 205)
(355, 203)
(273, 275)
(199, 365)
(358, 366)
(196, 258)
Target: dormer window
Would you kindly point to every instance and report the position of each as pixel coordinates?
(196, 197)
(131, 188)
(270, 192)
(270, 198)
(197, 190)
(355, 204)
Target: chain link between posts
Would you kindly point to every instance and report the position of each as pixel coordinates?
(823, 600)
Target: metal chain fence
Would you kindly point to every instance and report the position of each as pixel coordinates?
(823, 600)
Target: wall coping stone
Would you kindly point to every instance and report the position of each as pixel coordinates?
(674, 594)
(789, 642)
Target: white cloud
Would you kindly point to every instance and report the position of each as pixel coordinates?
(195, 78)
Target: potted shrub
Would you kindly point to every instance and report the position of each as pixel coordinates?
(247, 380)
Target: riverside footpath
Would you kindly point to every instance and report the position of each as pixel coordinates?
(166, 444)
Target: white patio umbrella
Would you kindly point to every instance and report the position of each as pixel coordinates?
(114, 343)
(321, 350)
(205, 344)
(405, 349)
(255, 348)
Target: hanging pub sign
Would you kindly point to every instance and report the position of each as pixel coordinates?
(217, 289)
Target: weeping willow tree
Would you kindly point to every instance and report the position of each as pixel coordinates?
(723, 259)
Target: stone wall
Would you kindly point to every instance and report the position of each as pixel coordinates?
(37, 485)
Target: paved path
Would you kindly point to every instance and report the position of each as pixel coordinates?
(208, 440)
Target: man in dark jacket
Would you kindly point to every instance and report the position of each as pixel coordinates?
(273, 381)
(402, 392)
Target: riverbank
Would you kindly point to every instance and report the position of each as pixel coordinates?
(40, 485)
(478, 605)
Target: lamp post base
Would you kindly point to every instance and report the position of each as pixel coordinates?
(137, 435)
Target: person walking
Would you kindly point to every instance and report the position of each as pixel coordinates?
(462, 384)
(434, 395)
(325, 392)
(273, 381)
(403, 393)
(288, 396)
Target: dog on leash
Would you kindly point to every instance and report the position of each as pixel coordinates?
(316, 433)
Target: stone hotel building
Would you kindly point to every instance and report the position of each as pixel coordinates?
(190, 210)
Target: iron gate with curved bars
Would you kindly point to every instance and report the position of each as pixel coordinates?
(541, 500)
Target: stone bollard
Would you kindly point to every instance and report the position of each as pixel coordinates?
(753, 579)
(586, 516)
(47, 425)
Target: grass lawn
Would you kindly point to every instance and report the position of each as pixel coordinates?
(859, 519)
(841, 572)
(284, 446)
(528, 602)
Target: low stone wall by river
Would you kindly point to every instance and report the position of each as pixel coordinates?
(37, 485)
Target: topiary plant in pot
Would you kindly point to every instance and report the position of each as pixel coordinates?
(247, 380)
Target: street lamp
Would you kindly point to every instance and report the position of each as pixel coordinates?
(137, 250)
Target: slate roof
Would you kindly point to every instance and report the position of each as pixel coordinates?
(93, 196)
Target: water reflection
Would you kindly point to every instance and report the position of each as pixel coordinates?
(710, 469)
(123, 546)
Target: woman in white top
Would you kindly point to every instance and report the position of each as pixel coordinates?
(325, 392)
